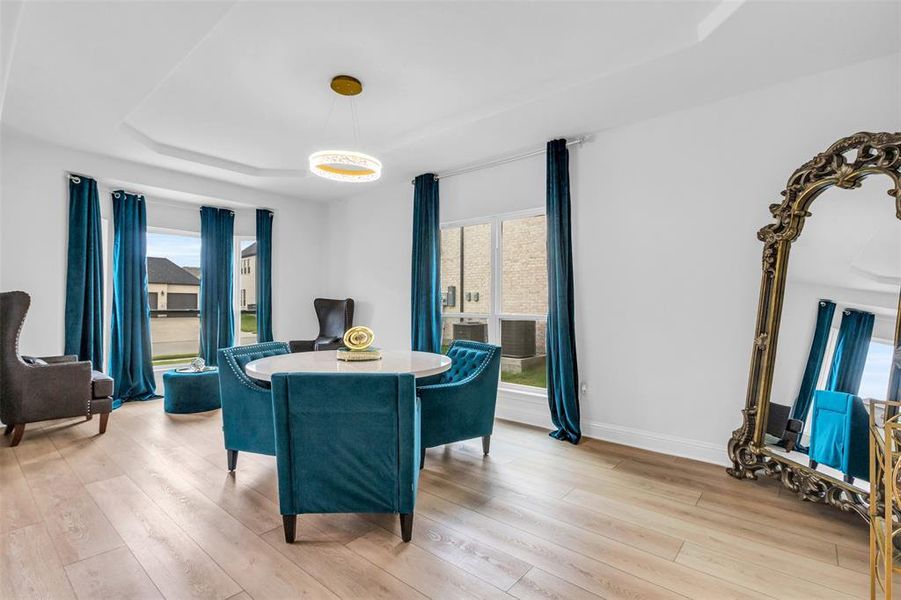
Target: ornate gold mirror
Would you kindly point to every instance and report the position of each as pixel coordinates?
(833, 315)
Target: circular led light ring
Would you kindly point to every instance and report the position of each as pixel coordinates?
(344, 165)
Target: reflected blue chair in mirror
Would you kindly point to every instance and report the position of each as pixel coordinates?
(246, 402)
(346, 443)
(459, 404)
(839, 434)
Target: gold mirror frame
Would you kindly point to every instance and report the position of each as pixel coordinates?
(873, 154)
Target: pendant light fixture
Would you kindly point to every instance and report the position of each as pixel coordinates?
(346, 165)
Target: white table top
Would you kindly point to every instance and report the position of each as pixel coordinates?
(421, 364)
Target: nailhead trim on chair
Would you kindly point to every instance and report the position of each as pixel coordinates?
(464, 344)
(243, 379)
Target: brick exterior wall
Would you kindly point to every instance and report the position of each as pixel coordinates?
(523, 276)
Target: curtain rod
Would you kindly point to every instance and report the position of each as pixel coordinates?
(502, 161)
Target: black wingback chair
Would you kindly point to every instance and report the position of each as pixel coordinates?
(40, 389)
(781, 425)
(335, 317)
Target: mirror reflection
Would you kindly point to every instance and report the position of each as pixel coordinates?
(837, 336)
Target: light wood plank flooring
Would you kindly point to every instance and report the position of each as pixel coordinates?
(148, 510)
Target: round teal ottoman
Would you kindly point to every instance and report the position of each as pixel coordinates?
(191, 391)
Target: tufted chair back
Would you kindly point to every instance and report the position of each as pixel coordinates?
(467, 358)
(239, 356)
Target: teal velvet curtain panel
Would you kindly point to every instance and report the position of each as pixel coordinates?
(825, 312)
(131, 364)
(850, 351)
(264, 275)
(217, 315)
(562, 366)
(425, 300)
(84, 273)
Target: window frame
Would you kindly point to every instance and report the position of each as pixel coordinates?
(495, 316)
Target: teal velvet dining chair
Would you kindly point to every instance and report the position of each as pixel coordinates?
(839, 434)
(346, 443)
(459, 404)
(246, 403)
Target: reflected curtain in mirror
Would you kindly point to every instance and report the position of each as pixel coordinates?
(825, 313)
(264, 275)
(425, 300)
(562, 367)
(84, 273)
(131, 364)
(851, 349)
(217, 314)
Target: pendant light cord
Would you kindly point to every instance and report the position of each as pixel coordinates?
(356, 122)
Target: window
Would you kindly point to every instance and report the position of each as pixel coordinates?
(247, 298)
(494, 289)
(173, 277)
(876, 371)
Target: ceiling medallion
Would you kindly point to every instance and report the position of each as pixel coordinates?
(346, 165)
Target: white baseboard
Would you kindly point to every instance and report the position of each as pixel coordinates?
(532, 409)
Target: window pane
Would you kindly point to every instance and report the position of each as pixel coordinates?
(173, 277)
(523, 352)
(462, 328)
(524, 272)
(248, 292)
(466, 268)
(450, 269)
(876, 371)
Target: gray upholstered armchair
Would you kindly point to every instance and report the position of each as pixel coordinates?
(39, 389)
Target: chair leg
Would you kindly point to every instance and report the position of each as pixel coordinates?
(290, 524)
(406, 527)
(88, 417)
(18, 430)
(232, 459)
(421, 458)
(848, 479)
(104, 419)
(486, 444)
(813, 464)
(8, 430)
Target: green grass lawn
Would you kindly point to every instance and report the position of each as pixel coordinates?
(248, 322)
(173, 359)
(535, 377)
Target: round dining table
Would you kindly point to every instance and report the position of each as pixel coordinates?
(420, 364)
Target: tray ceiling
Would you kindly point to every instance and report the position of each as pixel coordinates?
(239, 90)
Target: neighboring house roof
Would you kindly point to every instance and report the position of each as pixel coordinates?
(163, 270)
(195, 271)
(250, 250)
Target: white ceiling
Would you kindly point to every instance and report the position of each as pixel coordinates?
(851, 241)
(239, 91)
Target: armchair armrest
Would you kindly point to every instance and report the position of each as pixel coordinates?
(332, 343)
(68, 384)
(65, 358)
(302, 345)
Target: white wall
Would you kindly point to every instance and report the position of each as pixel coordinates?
(667, 263)
(33, 231)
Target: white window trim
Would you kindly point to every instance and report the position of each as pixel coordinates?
(495, 317)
